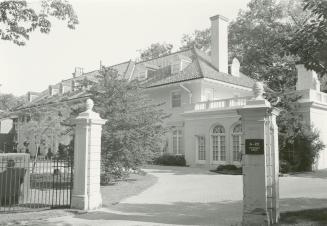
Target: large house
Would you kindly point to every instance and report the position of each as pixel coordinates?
(202, 93)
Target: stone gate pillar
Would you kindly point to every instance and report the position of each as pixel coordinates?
(260, 161)
(86, 193)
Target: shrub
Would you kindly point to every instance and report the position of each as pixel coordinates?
(284, 166)
(170, 160)
(301, 152)
(228, 169)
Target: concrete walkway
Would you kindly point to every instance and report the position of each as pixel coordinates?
(191, 196)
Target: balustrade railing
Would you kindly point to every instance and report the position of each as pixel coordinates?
(221, 104)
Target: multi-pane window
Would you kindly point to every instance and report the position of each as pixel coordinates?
(142, 75)
(201, 148)
(175, 67)
(178, 145)
(236, 138)
(176, 99)
(218, 143)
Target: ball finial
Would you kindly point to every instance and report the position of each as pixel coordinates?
(89, 104)
(258, 90)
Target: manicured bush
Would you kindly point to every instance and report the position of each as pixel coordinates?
(228, 169)
(170, 160)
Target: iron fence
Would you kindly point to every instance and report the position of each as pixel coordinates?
(28, 183)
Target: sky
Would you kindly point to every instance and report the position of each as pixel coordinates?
(110, 31)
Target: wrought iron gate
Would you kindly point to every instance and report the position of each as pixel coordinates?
(28, 183)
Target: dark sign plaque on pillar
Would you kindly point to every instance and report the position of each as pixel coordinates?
(254, 147)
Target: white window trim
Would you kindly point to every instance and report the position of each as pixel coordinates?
(211, 146)
(197, 149)
(232, 143)
(171, 98)
(181, 137)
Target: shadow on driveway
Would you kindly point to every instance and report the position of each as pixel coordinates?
(178, 170)
(228, 213)
(185, 213)
(316, 174)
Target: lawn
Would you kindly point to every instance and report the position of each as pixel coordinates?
(305, 217)
(111, 195)
(136, 183)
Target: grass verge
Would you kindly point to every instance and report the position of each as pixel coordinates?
(135, 184)
(305, 217)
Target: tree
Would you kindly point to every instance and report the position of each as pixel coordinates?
(299, 142)
(199, 39)
(155, 50)
(256, 39)
(133, 134)
(42, 128)
(9, 101)
(310, 40)
(18, 19)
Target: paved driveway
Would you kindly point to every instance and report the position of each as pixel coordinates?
(191, 196)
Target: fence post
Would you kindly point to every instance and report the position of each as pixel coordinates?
(86, 193)
(260, 161)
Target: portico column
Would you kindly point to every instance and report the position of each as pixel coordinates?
(86, 194)
(260, 161)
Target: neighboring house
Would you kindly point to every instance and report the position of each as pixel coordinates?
(202, 94)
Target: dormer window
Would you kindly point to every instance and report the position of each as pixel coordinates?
(176, 67)
(184, 64)
(147, 73)
(179, 65)
(176, 99)
(142, 75)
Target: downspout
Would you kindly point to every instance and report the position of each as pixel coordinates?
(188, 91)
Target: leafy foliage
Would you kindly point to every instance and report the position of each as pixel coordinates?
(170, 160)
(299, 143)
(18, 19)
(42, 128)
(310, 40)
(200, 39)
(133, 134)
(155, 50)
(256, 39)
(9, 102)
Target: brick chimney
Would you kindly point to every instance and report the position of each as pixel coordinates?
(219, 43)
(306, 79)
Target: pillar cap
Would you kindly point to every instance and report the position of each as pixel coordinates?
(89, 114)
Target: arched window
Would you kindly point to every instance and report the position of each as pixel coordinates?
(218, 143)
(237, 139)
